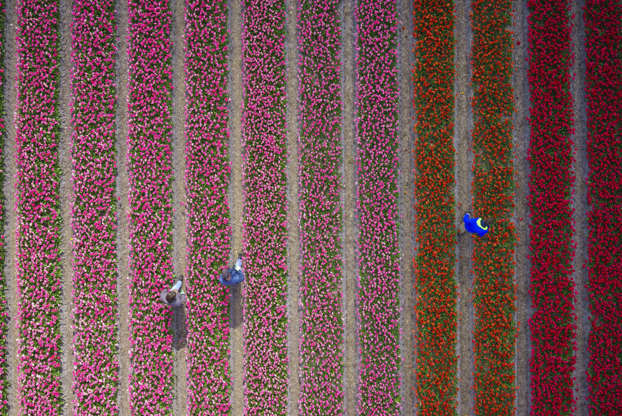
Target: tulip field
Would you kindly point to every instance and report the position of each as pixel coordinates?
(293, 110)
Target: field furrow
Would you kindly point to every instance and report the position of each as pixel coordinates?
(321, 333)
(95, 341)
(4, 314)
(264, 223)
(150, 203)
(207, 178)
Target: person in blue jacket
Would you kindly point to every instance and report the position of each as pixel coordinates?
(234, 275)
(475, 225)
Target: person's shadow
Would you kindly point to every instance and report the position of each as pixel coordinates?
(235, 306)
(179, 328)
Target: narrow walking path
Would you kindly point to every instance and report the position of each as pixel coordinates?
(236, 199)
(349, 203)
(406, 204)
(520, 142)
(463, 173)
(580, 205)
(122, 189)
(9, 153)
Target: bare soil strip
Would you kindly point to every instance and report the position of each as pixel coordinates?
(293, 239)
(463, 127)
(10, 213)
(67, 198)
(350, 226)
(406, 203)
(580, 205)
(236, 197)
(122, 187)
(179, 196)
(520, 142)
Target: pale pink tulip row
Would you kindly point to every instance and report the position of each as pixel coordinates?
(265, 220)
(4, 316)
(319, 153)
(38, 210)
(95, 340)
(207, 177)
(377, 161)
(150, 203)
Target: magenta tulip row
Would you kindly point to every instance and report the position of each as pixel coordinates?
(379, 309)
(150, 216)
(208, 229)
(265, 221)
(95, 341)
(319, 155)
(4, 315)
(38, 209)
(603, 21)
(553, 324)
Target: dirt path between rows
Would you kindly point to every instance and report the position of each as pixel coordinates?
(10, 214)
(350, 222)
(463, 128)
(580, 205)
(520, 143)
(293, 232)
(179, 201)
(123, 209)
(66, 201)
(406, 203)
(236, 198)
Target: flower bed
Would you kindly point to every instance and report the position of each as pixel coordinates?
(553, 323)
(493, 189)
(434, 193)
(207, 177)
(150, 218)
(378, 297)
(265, 222)
(321, 387)
(604, 95)
(4, 315)
(95, 341)
(38, 210)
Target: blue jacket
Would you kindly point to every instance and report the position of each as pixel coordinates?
(474, 225)
(236, 277)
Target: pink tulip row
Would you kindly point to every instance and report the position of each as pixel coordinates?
(4, 316)
(321, 387)
(95, 341)
(150, 217)
(38, 209)
(207, 177)
(265, 222)
(377, 135)
(603, 20)
(553, 324)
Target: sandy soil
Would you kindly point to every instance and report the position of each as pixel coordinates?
(463, 128)
(10, 214)
(236, 199)
(350, 225)
(580, 205)
(67, 195)
(293, 238)
(520, 142)
(406, 180)
(122, 189)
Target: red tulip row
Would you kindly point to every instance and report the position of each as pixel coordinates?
(95, 341)
(265, 223)
(320, 212)
(4, 316)
(208, 229)
(553, 324)
(493, 189)
(377, 136)
(150, 217)
(434, 194)
(603, 21)
(38, 209)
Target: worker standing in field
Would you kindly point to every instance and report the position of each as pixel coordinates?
(234, 275)
(174, 297)
(474, 225)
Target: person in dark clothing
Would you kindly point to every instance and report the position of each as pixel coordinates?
(174, 297)
(474, 225)
(234, 275)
